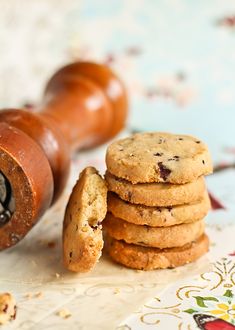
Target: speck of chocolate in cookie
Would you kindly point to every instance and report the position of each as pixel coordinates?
(118, 179)
(164, 171)
(71, 254)
(174, 158)
(129, 195)
(141, 213)
(98, 225)
(161, 140)
(180, 139)
(198, 142)
(5, 308)
(158, 154)
(203, 161)
(169, 208)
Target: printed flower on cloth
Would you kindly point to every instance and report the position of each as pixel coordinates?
(205, 302)
(225, 312)
(222, 307)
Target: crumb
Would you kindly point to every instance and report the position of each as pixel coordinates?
(116, 291)
(139, 271)
(38, 295)
(51, 244)
(64, 313)
(7, 308)
(31, 295)
(28, 295)
(57, 275)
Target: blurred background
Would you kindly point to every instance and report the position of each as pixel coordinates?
(176, 57)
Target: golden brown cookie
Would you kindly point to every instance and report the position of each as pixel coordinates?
(158, 216)
(82, 229)
(157, 194)
(160, 237)
(7, 308)
(147, 258)
(158, 157)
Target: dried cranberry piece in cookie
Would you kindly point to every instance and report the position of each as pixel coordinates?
(164, 171)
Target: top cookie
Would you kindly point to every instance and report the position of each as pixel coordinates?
(158, 157)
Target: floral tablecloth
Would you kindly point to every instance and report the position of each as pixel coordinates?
(177, 59)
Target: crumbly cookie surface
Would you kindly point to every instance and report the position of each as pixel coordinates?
(157, 194)
(158, 216)
(158, 157)
(7, 308)
(159, 237)
(148, 258)
(82, 227)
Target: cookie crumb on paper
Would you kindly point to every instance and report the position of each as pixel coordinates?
(30, 295)
(64, 313)
(38, 294)
(116, 291)
(51, 244)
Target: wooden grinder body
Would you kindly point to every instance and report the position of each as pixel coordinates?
(84, 105)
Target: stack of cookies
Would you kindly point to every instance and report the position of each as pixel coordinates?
(157, 200)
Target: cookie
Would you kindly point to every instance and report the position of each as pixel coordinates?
(7, 308)
(147, 258)
(158, 157)
(159, 237)
(82, 229)
(157, 194)
(158, 216)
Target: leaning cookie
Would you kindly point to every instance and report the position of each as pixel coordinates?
(158, 157)
(157, 194)
(160, 237)
(148, 258)
(158, 216)
(82, 234)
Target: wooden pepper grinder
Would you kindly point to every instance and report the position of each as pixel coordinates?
(84, 105)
